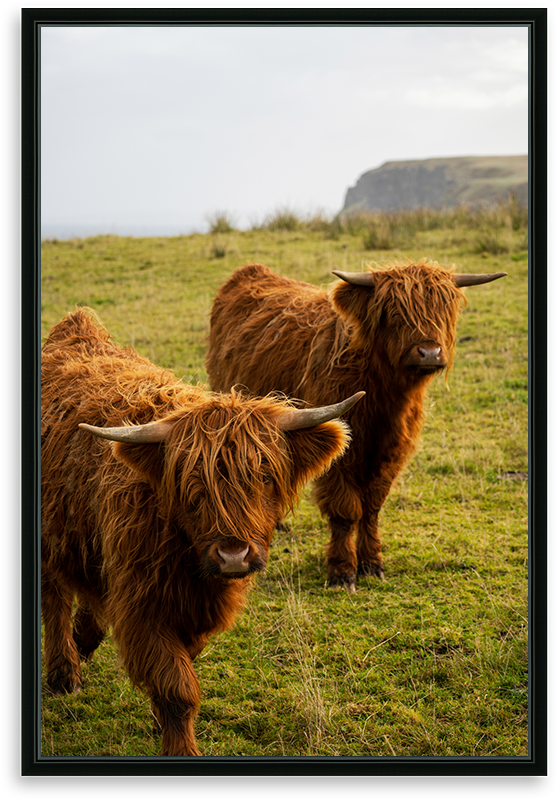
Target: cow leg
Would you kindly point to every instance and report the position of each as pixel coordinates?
(159, 662)
(341, 554)
(176, 720)
(87, 632)
(61, 656)
(339, 500)
(369, 546)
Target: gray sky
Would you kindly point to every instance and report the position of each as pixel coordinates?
(163, 126)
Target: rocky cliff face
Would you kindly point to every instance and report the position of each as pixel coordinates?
(439, 182)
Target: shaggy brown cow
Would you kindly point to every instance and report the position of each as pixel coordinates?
(157, 534)
(388, 330)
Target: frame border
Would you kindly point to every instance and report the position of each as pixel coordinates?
(32, 763)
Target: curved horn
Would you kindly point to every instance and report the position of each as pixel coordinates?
(290, 420)
(296, 418)
(464, 279)
(152, 433)
(356, 278)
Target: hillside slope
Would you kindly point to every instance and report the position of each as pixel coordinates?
(439, 182)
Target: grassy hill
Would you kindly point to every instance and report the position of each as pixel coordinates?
(439, 182)
(433, 662)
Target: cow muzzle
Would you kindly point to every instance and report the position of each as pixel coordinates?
(230, 562)
(235, 559)
(427, 357)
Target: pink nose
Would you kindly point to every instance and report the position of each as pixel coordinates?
(233, 562)
(429, 355)
(426, 356)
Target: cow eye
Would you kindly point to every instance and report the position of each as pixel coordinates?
(266, 478)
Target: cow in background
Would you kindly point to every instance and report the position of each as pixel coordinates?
(388, 331)
(157, 531)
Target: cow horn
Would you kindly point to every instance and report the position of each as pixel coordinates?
(155, 432)
(152, 433)
(296, 418)
(356, 278)
(464, 279)
(460, 279)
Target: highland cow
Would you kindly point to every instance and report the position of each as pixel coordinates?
(388, 331)
(157, 531)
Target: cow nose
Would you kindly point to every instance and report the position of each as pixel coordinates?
(233, 562)
(429, 354)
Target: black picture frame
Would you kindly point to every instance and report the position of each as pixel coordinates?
(32, 762)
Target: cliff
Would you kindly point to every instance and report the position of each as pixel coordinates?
(439, 182)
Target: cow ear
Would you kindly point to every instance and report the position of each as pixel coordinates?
(314, 449)
(351, 303)
(145, 459)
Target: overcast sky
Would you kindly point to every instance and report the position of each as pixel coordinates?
(145, 126)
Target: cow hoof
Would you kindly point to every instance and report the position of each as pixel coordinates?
(63, 681)
(347, 582)
(372, 570)
(66, 687)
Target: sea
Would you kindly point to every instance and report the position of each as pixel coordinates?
(73, 230)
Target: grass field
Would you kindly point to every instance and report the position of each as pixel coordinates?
(433, 662)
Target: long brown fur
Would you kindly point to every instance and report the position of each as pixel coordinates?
(128, 530)
(273, 333)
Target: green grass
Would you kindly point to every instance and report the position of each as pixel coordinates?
(431, 662)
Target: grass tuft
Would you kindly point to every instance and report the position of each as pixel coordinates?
(220, 222)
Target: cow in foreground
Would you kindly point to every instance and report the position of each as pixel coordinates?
(157, 531)
(388, 331)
